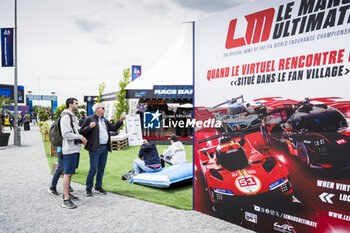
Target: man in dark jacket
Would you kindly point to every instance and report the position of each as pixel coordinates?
(82, 119)
(97, 129)
(149, 159)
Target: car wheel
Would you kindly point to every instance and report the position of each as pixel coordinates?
(303, 154)
(266, 137)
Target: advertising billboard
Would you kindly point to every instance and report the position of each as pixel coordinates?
(275, 73)
(7, 91)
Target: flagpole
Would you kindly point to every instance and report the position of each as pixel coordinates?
(17, 137)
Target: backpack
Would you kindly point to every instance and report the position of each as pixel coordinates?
(55, 134)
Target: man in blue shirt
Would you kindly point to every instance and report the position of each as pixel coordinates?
(96, 129)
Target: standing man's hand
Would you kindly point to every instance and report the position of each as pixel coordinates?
(84, 140)
(92, 124)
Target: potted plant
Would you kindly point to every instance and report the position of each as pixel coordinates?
(45, 129)
(4, 137)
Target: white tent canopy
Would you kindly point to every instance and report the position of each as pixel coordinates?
(174, 68)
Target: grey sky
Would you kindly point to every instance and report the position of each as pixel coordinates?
(209, 6)
(71, 46)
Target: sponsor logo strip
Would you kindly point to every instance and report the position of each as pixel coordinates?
(277, 183)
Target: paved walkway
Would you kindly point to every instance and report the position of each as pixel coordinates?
(26, 206)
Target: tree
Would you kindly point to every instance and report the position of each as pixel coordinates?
(41, 109)
(61, 108)
(43, 116)
(101, 88)
(59, 111)
(82, 112)
(5, 101)
(122, 105)
(77, 114)
(82, 106)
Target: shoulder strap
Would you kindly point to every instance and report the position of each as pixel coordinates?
(71, 120)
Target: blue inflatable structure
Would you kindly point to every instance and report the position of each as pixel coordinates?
(166, 177)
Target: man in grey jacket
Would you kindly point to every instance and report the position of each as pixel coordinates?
(70, 147)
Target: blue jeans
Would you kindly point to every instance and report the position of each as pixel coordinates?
(98, 160)
(58, 170)
(139, 166)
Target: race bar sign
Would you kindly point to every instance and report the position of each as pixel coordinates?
(163, 92)
(173, 91)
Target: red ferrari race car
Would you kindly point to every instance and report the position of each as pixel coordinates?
(315, 133)
(234, 170)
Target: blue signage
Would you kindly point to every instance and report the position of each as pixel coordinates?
(42, 97)
(8, 91)
(140, 94)
(135, 72)
(7, 47)
(152, 120)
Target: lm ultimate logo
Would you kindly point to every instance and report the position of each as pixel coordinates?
(258, 29)
(309, 16)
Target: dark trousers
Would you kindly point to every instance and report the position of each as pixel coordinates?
(164, 160)
(58, 170)
(26, 126)
(98, 161)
